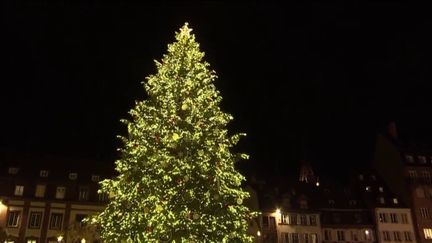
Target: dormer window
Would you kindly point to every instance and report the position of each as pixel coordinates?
(409, 158)
(95, 178)
(43, 173)
(73, 176)
(422, 159)
(13, 170)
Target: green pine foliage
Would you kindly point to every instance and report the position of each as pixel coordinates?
(177, 181)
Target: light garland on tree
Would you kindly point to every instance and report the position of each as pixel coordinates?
(177, 181)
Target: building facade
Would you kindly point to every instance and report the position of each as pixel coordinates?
(49, 203)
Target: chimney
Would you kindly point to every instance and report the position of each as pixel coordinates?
(392, 130)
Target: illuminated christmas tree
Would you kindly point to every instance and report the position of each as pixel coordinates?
(177, 181)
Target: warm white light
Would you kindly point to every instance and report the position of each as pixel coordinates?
(59, 238)
(258, 233)
(278, 211)
(366, 232)
(83, 240)
(317, 183)
(2, 206)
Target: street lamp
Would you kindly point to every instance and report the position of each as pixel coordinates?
(60, 238)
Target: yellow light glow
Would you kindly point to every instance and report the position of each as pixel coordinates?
(59, 238)
(278, 211)
(2, 206)
(317, 183)
(83, 240)
(367, 232)
(258, 233)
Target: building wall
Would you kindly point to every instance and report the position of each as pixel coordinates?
(421, 196)
(385, 224)
(285, 231)
(348, 234)
(45, 233)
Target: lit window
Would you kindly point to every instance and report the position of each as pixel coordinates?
(40, 191)
(95, 178)
(393, 218)
(13, 218)
(427, 233)
(19, 190)
(83, 194)
(292, 219)
(303, 220)
(56, 221)
(60, 192)
(395, 201)
(31, 241)
(314, 238)
(13, 170)
(73, 176)
(368, 235)
(35, 220)
(408, 236)
(43, 173)
(383, 217)
(312, 219)
(404, 217)
(424, 212)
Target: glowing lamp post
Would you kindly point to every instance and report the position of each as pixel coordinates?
(60, 238)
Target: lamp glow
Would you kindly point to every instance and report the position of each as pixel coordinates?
(60, 238)
(83, 240)
(278, 211)
(258, 233)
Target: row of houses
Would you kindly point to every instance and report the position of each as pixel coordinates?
(389, 200)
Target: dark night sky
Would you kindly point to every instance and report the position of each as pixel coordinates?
(305, 81)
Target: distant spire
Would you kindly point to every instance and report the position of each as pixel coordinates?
(306, 173)
(392, 130)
